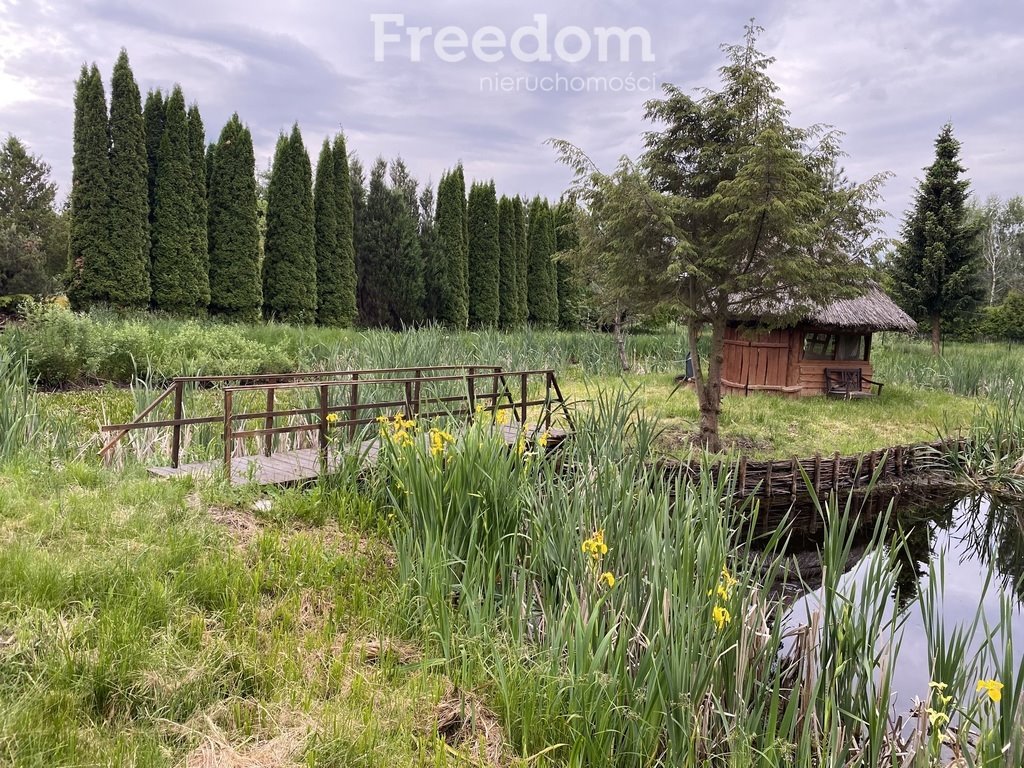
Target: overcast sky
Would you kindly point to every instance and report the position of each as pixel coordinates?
(888, 74)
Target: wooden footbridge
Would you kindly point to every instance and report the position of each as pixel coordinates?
(286, 428)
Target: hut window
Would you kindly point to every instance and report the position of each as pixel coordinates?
(819, 346)
(850, 347)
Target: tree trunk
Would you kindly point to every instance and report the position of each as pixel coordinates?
(709, 390)
(936, 335)
(620, 341)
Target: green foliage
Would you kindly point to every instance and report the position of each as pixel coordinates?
(19, 417)
(451, 274)
(522, 258)
(541, 283)
(934, 273)
(153, 116)
(484, 269)
(428, 252)
(570, 292)
(22, 266)
(325, 214)
(177, 274)
(289, 267)
(200, 205)
(338, 306)
(508, 283)
(391, 284)
(1000, 224)
(93, 279)
(1005, 322)
(129, 193)
(235, 286)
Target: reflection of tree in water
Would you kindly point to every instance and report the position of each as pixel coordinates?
(989, 530)
(993, 530)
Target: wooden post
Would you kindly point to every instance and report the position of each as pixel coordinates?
(793, 467)
(229, 440)
(899, 461)
(471, 394)
(835, 471)
(416, 392)
(547, 400)
(268, 440)
(179, 387)
(768, 479)
(743, 475)
(409, 412)
(523, 390)
(817, 472)
(353, 415)
(323, 429)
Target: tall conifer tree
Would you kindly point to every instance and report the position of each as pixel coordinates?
(92, 274)
(935, 270)
(508, 278)
(289, 268)
(129, 193)
(153, 116)
(177, 274)
(522, 258)
(325, 211)
(235, 286)
(200, 207)
(357, 181)
(540, 279)
(484, 256)
(566, 281)
(343, 301)
(452, 251)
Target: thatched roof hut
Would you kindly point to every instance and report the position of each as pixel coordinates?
(803, 358)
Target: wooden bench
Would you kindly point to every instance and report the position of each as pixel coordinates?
(848, 383)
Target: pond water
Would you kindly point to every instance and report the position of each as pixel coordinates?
(980, 544)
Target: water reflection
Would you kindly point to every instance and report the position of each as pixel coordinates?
(979, 541)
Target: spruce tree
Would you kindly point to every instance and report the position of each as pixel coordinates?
(129, 193)
(452, 251)
(289, 268)
(92, 275)
(508, 269)
(177, 274)
(325, 214)
(567, 283)
(934, 274)
(392, 291)
(200, 207)
(342, 303)
(153, 116)
(484, 256)
(540, 280)
(522, 259)
(235, 287)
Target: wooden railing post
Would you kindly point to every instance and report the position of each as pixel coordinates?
(523, 391)
(547, 400)
(179, 387)
(409, 412)
(229, 441)
(471, 392)
(416, 392)
(353, 414)
(268, 439)
(323, 429)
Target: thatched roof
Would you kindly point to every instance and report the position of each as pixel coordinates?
(870, 312)
(874, 311)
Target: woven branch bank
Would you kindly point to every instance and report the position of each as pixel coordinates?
(795, 477)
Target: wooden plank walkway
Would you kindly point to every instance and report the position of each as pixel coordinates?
(303, 465)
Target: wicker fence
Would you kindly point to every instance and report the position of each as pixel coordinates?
(791, 478)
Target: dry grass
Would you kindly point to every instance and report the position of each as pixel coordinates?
(277, 742)
(469, 728)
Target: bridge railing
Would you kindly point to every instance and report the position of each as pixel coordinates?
(340, 402)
